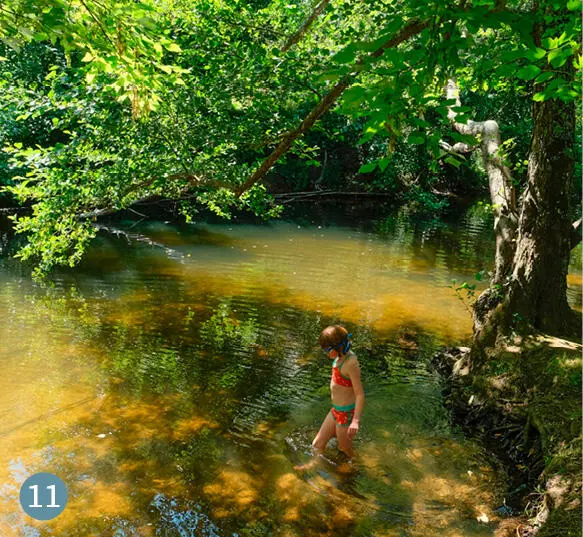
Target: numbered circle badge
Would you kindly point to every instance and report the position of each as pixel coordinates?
(43, 496)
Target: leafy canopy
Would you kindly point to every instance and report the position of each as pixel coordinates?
(104, 103)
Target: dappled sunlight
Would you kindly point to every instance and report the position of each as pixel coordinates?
(376, 290)
(183, 385)
(183, 429)
(294, 495)
(575, 288)
(233, 493)
(559, 343)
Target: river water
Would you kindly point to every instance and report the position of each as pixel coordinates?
(173, 379)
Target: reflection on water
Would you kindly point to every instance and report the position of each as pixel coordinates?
(172, 381)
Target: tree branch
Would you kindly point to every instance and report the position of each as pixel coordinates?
(306, 26)
(502, 192)
(98, 22)
(413, 28)
(130, 235)
(456, 148)
(193, 180)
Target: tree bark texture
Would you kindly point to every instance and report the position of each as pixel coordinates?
(576, 233)
(538, 286)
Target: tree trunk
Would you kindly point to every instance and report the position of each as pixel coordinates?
(502, 193)
(538, 286)
(535, 295)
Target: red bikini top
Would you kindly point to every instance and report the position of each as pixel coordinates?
(337, 376)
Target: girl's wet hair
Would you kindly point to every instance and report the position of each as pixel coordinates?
(332, 336)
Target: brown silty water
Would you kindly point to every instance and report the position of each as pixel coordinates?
(173, 381)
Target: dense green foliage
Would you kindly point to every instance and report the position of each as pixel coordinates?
(105, 103)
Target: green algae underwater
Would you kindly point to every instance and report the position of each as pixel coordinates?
(173, 380)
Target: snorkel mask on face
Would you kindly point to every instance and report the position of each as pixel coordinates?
(344, 345)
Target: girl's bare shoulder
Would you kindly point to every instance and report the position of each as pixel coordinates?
(352, 361)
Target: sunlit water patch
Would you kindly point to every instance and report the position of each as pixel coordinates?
(173, 380)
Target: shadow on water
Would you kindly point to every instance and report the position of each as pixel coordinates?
(174, 383)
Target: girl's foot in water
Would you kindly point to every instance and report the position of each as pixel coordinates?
(316, 460)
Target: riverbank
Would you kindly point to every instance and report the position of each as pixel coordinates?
(523, 401)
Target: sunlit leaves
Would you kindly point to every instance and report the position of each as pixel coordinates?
(124, 41)
(528, 72)
(558, 56)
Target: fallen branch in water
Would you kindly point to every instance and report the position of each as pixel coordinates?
(132, 236)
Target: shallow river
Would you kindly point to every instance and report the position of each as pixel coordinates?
(173, 380)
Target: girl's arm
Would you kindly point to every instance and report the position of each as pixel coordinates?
(354, 374)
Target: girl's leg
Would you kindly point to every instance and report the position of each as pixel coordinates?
(326, 432)
(344, 441)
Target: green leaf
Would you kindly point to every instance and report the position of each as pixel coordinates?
(416, 138)
(145, 6)
(543, 77)
(88, 57)
(452, 161)
(512, 55)
(550, 43)
(464, 138)
(367, 168)
(383, 163)
(528, 72)
(420, 122)
(330, 76)
(354, 94)
(346, 55)
(173, 47)
(558, 57)
(574, 5)
(535, 54)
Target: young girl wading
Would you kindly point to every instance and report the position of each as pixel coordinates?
(346, 389)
